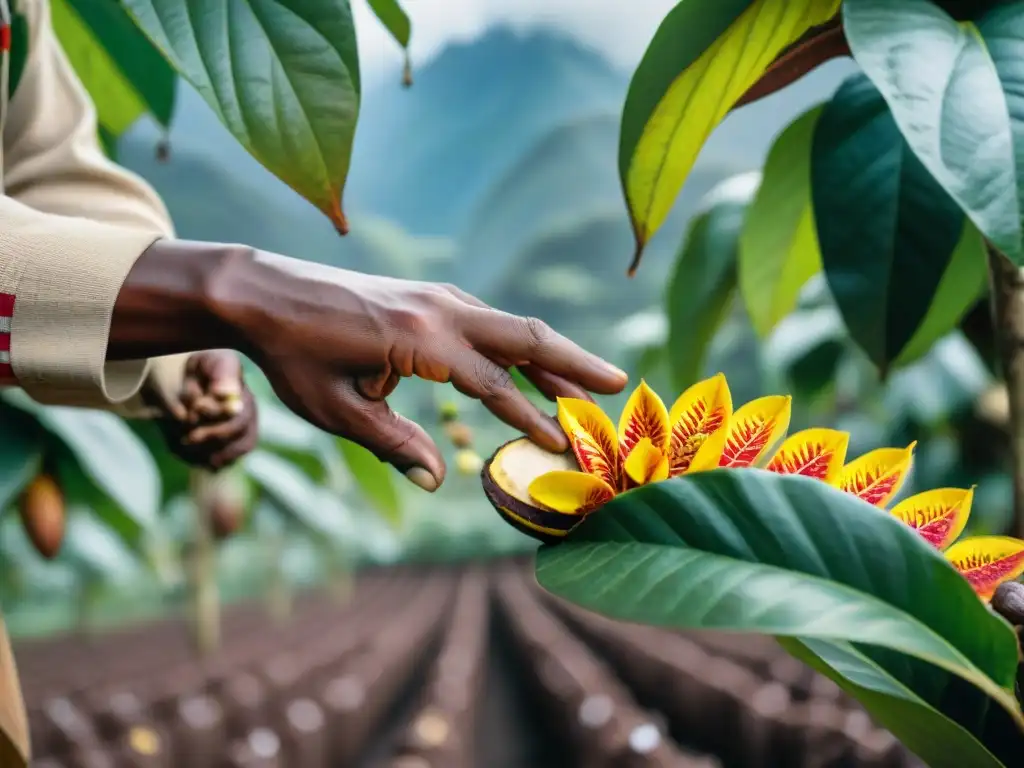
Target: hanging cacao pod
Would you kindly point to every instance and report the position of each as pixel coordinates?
(41, 508)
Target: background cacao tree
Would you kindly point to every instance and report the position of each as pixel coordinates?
(882, 218)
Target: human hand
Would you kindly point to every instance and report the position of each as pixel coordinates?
(213, 420)
(334, 344)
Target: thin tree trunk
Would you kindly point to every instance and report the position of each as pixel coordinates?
(1007, 297)
(205, 592)
(279, 591)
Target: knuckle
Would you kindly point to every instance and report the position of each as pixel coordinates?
(412, 322)
(494, 382)
(537, 332)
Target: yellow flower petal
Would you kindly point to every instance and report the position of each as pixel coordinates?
(988, 561)
(592, 436)
(817, 453)
(939, 515)
(878, 475)
(645, 415)
(646, 463)
(699, 412)
(571, 493)
(752, 432)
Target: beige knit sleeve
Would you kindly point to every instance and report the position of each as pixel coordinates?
(71, 229)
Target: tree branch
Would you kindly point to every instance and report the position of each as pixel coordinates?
(1007, 297)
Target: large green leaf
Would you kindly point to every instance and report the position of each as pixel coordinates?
(703, 280)
(894, 706)
(309, 448)
(312, 507)
(108, 452)
(705, 55)
(748, 550)
(283, 78)
(963, 283)
(21, 454)
(138, 62)
(940, 82)
(118, 104)
(1002, 30)
(779, 245)
(887, 230)
(374, 478)
(91, 545)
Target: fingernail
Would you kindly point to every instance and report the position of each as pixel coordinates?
(419, 476)
(614, 370)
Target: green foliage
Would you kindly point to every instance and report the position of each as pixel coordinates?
(942, 84)
(294, 495)
(21, 455)
(112, 459)
(702, 60)
(375, 480)
(888, 232)
(301, 123)
(747, 550)
(704, 280)
(778, 248)
(115, 61)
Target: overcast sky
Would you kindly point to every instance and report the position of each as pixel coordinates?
(620, 29)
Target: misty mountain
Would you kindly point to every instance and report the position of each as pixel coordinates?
(425, 156)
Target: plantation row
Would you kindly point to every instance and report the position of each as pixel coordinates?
(438, 668)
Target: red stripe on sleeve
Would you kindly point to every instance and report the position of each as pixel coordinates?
(5, 37)
(7, 377)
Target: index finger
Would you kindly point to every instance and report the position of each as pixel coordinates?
(529, 341)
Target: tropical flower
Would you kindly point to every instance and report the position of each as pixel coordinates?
(701, 431)
(654, 443)
(940, 517)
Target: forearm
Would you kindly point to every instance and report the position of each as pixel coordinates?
(169, 302)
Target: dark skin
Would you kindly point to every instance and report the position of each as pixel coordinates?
(334, 344)
(214, 421)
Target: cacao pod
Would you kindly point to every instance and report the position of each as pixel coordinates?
(41, 509)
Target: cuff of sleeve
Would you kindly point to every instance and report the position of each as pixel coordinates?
(67, 276)
(166, 375)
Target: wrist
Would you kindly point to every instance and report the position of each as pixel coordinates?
(169, 302)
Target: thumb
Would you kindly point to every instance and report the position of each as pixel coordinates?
(394, 439)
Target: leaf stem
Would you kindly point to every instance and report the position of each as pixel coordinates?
(1007, 299)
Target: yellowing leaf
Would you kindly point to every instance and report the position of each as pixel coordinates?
(988, 561)
(939, 515)
(817, 453)
(646, 463)
(878, 475)
(698, 413)
(697, 100)
(752, 432)
(592, 436)
(645, 415)
(571, 493)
